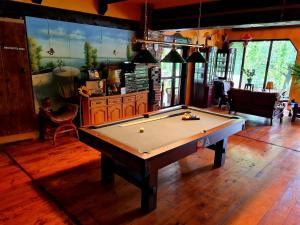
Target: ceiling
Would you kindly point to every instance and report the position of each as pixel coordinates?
(158, 4)
(226, 13)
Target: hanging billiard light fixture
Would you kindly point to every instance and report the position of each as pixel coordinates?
(173, 56)
(144, 55)
(196, 56)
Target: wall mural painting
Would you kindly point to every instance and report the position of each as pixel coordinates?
(61, 53)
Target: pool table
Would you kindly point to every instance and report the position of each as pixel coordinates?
(137, 148)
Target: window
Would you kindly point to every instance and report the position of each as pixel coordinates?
(270, 59)
(283, 54)
(256, 58)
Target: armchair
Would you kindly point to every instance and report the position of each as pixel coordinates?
(58, 122)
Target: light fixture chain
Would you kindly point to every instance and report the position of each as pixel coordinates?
(199, 20)
(146, 20)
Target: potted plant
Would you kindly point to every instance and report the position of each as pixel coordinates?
(295, 71)
(250, 74)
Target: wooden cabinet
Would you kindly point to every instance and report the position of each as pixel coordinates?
(98, 110)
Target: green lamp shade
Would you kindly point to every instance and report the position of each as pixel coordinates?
(144, 56)
(196, 57)
(173, 57)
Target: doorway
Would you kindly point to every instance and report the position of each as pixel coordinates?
(171, 80)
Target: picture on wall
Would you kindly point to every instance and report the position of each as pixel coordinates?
(53, 43)
(63, 54)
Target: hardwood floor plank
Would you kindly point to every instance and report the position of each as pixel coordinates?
(279, 213)
(21, 202)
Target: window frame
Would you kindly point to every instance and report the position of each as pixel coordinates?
(182, 77)
(268, 59)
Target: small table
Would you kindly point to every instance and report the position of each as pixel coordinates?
(294, 110)
(249, 86)
(166, 138)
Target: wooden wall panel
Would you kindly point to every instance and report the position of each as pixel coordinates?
(16, 108)
(14, 9)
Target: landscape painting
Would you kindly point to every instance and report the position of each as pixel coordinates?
(53, 43)
(61, 54)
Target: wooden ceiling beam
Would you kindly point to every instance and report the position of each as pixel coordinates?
(112, 1)
(228, 13)
(14, 9)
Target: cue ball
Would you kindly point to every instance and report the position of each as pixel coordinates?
(142, 130)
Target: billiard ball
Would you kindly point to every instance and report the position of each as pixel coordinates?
(142, 130)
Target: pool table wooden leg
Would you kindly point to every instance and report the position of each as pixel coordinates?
(107, 169)
(149, 191)
(220, 152)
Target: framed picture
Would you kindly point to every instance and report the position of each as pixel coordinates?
(97, 87)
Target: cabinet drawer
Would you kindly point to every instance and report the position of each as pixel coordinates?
(100, 102)
(112, 101)
(129, 99)
(142, 97)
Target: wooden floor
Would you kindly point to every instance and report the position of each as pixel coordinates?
(259, 184)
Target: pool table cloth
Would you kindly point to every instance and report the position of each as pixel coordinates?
(162, 132)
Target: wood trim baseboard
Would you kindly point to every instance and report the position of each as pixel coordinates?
(19, 137)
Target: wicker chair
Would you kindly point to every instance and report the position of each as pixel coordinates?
(58, 122)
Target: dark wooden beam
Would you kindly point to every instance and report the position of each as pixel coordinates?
(112, 1)
(37, 1)
(228, 13)
(18, 10)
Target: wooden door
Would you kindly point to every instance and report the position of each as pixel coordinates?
(99, 115)
(114, 112)
(16, 107)
(203, 78)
